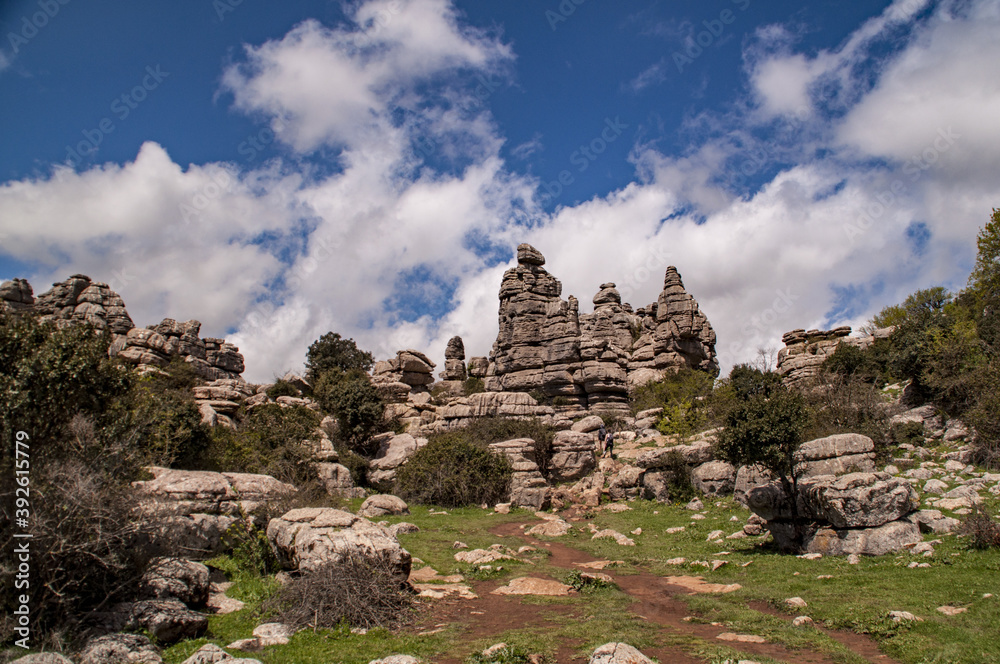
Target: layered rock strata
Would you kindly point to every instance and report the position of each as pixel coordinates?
(800, 361)
(590, 360)
(528, 486)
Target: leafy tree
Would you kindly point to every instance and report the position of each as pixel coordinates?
(332, 352)
(764, 427)
(353, 400)
(985, 278)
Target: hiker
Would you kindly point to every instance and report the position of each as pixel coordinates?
(602, 434)
(609, 446)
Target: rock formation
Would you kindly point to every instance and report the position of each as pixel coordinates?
(800, 360)
(81, 300)
(590, 360)
(454, 360)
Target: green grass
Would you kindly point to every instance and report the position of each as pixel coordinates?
(857, 597)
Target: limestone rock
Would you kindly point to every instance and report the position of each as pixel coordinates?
(177, 578)
(618, 653)
(308, 538)
(16, 296)
(42, 658)
(167, 619)
(747, 478)
(572, 456)
(78, 299)
(715, 478)
(878, 541)
(800, 360)
(454, 360)
(383, 505)
(120, 649)
(837, 454)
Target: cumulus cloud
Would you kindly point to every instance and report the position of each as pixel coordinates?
(405, 244)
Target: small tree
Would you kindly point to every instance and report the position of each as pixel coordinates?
(353, 400)
(331, 352)
(764, 427)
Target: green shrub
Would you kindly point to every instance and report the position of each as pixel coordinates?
(331, 352)
(848, 404)
(911, 433)
(451, 471)
(483, 431)
(684, 385)
(680, 488)
(282, 388)
(357, 464)
(473, 385)
(354, 401)
(271, 440)
(682, 418)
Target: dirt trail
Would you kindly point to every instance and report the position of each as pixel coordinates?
(657, 601)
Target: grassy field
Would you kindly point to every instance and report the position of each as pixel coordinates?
(855, 598)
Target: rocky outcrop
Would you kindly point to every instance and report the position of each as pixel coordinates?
(409, 367)
(192, 509)
(156, 345)
(799, 362)
(585, 360)
(393, 452)
(16, 296)
(176, 578)
(528, 487)
(454, 360)
(78, 299)
(836, 455)
(308, 538)
(862, 513)
(573, 455)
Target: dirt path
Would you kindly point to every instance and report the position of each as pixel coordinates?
(657, 602)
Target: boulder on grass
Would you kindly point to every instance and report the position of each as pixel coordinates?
(120, 649)
(177, 578)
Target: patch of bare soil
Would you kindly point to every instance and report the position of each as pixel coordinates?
(657, 600)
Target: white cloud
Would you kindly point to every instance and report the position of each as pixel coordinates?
(385, 238)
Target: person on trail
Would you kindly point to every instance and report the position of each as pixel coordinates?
(609, 446)
(602, 434)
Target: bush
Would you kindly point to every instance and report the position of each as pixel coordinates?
(451, 471)
(911, 433)
(331, 352)
(983, 532)
(282, 388)
(482, 431)
(686, 385)
(848, 404)
(354, 401)
(359, 591)
(271, 440)
(473, 385)
(679, 485)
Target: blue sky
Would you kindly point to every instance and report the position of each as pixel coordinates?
(278, 170)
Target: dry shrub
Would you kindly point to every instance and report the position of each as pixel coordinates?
(983, 532)
(360, 591)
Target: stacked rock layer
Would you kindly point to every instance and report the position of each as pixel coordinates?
(591, 360)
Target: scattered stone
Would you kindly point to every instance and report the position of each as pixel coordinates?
(554, 528)
(802, 621)
(675, 529)
(951, 610)
(527, 585)
(714, 535)
(442, 590)
(675, 561)
(695, 505)
(383, 505)
(741, 638)
(796, 603)
(697, 584)
(481, 556)
(622, 540)
(618, 653)
(903, 616)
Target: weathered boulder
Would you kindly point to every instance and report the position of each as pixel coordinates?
(336, 479)
(715, 478)
(211, 653)
(383, 505)
(42, 658)
(528, 487)
(16, 296)
(78, 299)
(618, 653)
(167, 619)
(572, 456)
(393, 453)
(855, 500)
(626, 483)
(837, 454)
(877, 541)
(177, 578)
(747, 478)
(120, 649)
(695, 454)
(192, 510)
(409, 366)
(309, 538)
